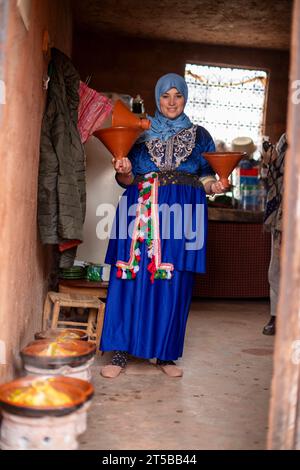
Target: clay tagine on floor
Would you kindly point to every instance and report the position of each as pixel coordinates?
(44, 396)
(44, 413)
(63, 334)
(48, 353)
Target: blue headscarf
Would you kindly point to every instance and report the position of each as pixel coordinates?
(162, 127)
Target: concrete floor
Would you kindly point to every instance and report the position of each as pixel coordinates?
(220, 403)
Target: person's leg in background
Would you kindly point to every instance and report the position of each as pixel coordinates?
(274, 279)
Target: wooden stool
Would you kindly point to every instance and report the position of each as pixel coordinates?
(57, 300)
(82, 286)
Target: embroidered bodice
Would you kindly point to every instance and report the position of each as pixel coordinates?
(170, 154)
(182, 152)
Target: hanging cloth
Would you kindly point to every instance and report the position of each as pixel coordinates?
(93, 109)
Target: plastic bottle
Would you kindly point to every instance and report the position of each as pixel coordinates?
(262, 196)
(249, 197)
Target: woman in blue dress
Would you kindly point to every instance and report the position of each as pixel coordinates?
(158, 239)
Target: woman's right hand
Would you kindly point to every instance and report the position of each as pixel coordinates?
(122, 166)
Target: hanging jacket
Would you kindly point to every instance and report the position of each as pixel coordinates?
(62, 186)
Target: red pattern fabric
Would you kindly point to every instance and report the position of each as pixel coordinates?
(238, 256)
(93, 110)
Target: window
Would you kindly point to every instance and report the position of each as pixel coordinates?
(228, 102)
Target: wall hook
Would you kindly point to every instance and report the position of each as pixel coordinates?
(46, 44)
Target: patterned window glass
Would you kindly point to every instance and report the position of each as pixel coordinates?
(228, 102)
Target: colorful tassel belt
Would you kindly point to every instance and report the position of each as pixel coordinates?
(173, 177)
(146, 229)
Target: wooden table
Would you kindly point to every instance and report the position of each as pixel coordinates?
(81, 286)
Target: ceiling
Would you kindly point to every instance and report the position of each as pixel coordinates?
(244, 23)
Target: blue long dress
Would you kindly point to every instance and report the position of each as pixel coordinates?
(153, 263)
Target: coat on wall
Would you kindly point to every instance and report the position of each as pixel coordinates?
(62, 186)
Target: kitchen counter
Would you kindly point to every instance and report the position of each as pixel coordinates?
(238, 255)
(219, 214)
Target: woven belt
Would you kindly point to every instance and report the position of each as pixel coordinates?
(173, 177)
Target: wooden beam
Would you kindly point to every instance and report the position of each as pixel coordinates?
(284, 430)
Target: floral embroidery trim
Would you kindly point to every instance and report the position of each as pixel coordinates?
(146, 229)
(170, 154)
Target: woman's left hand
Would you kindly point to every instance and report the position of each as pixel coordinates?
(217, 188)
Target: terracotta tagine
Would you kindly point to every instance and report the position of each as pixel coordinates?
(122, 116)
(62, 334)
(44, 396)
(44, 413)
(223, 163)
(126, 128)
(53, 354)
